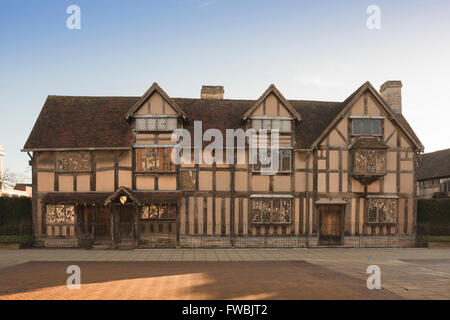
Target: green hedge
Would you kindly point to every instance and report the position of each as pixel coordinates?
(24, 240)
(433, 211)
(14, 211)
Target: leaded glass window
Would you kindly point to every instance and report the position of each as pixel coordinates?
(159, 211)
(156, 124)
(72, 161)
(188, 180)
(154, 159)
(60, 214)
(366, 126)
(272, 124)
(367, 162)
(382, 210)
(284, 161)
(271, 210)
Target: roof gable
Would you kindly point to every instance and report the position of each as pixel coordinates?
(272, 89)
(155, 88)
(399, 120)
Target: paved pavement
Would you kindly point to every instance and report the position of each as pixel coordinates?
(409, 273)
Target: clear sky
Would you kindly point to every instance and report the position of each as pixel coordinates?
(316, 50)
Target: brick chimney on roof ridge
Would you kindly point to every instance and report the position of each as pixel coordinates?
(212, 92)
(391, 91)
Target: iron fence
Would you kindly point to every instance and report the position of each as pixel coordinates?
(169, 234)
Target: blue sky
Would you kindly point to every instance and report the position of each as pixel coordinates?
(318, 50)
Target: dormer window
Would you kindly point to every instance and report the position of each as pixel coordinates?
(272, 123)
(156, 124)
(367, 126)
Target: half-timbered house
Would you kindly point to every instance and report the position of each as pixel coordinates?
(103, 176)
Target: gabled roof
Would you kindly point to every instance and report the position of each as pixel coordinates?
(398, 119)
(434, 165)
(81, 122)
(99, 123)
(144, 197)
(155, 87)
(272, 89)
(121, 191)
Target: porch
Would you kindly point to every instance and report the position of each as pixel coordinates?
(125, 219)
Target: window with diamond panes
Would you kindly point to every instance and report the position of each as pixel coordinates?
(381, 210)
(271, 211)
(159, 211)
(156, 124)
(154, 159)
(284, 161)
(60, 214)
(269, 124)
(188, 180)
(72, 161)
(367, 162)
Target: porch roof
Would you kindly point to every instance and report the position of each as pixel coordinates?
(76, 197)
(144, 197)
(104, 198)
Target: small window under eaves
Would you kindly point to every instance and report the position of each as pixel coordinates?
(156, 124)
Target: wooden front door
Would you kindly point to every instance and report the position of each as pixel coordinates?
(125, 225)
(330, 221)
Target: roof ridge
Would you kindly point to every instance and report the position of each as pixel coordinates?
(197, 99)
(66, 96)
(443, 150)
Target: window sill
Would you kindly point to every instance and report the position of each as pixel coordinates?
(278, 172)
(270, 223)
(365, 135)
(380, 223)
(368, 174)
(156, 172)
(59, 225)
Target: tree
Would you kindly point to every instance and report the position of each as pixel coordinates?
(10, 178)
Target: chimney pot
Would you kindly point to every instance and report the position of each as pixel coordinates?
(391, 91)
(212, 92)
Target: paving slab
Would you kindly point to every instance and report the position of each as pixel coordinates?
(184, 280)
(414, 273)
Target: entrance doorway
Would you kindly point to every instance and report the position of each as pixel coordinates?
(125, 226)
(331, 224)
(101, 227)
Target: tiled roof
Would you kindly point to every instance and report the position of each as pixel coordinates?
(434, 165)
(98, 122)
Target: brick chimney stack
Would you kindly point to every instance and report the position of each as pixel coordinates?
(391, 91)
(212, 92)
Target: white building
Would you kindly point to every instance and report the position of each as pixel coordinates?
(8, 191)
